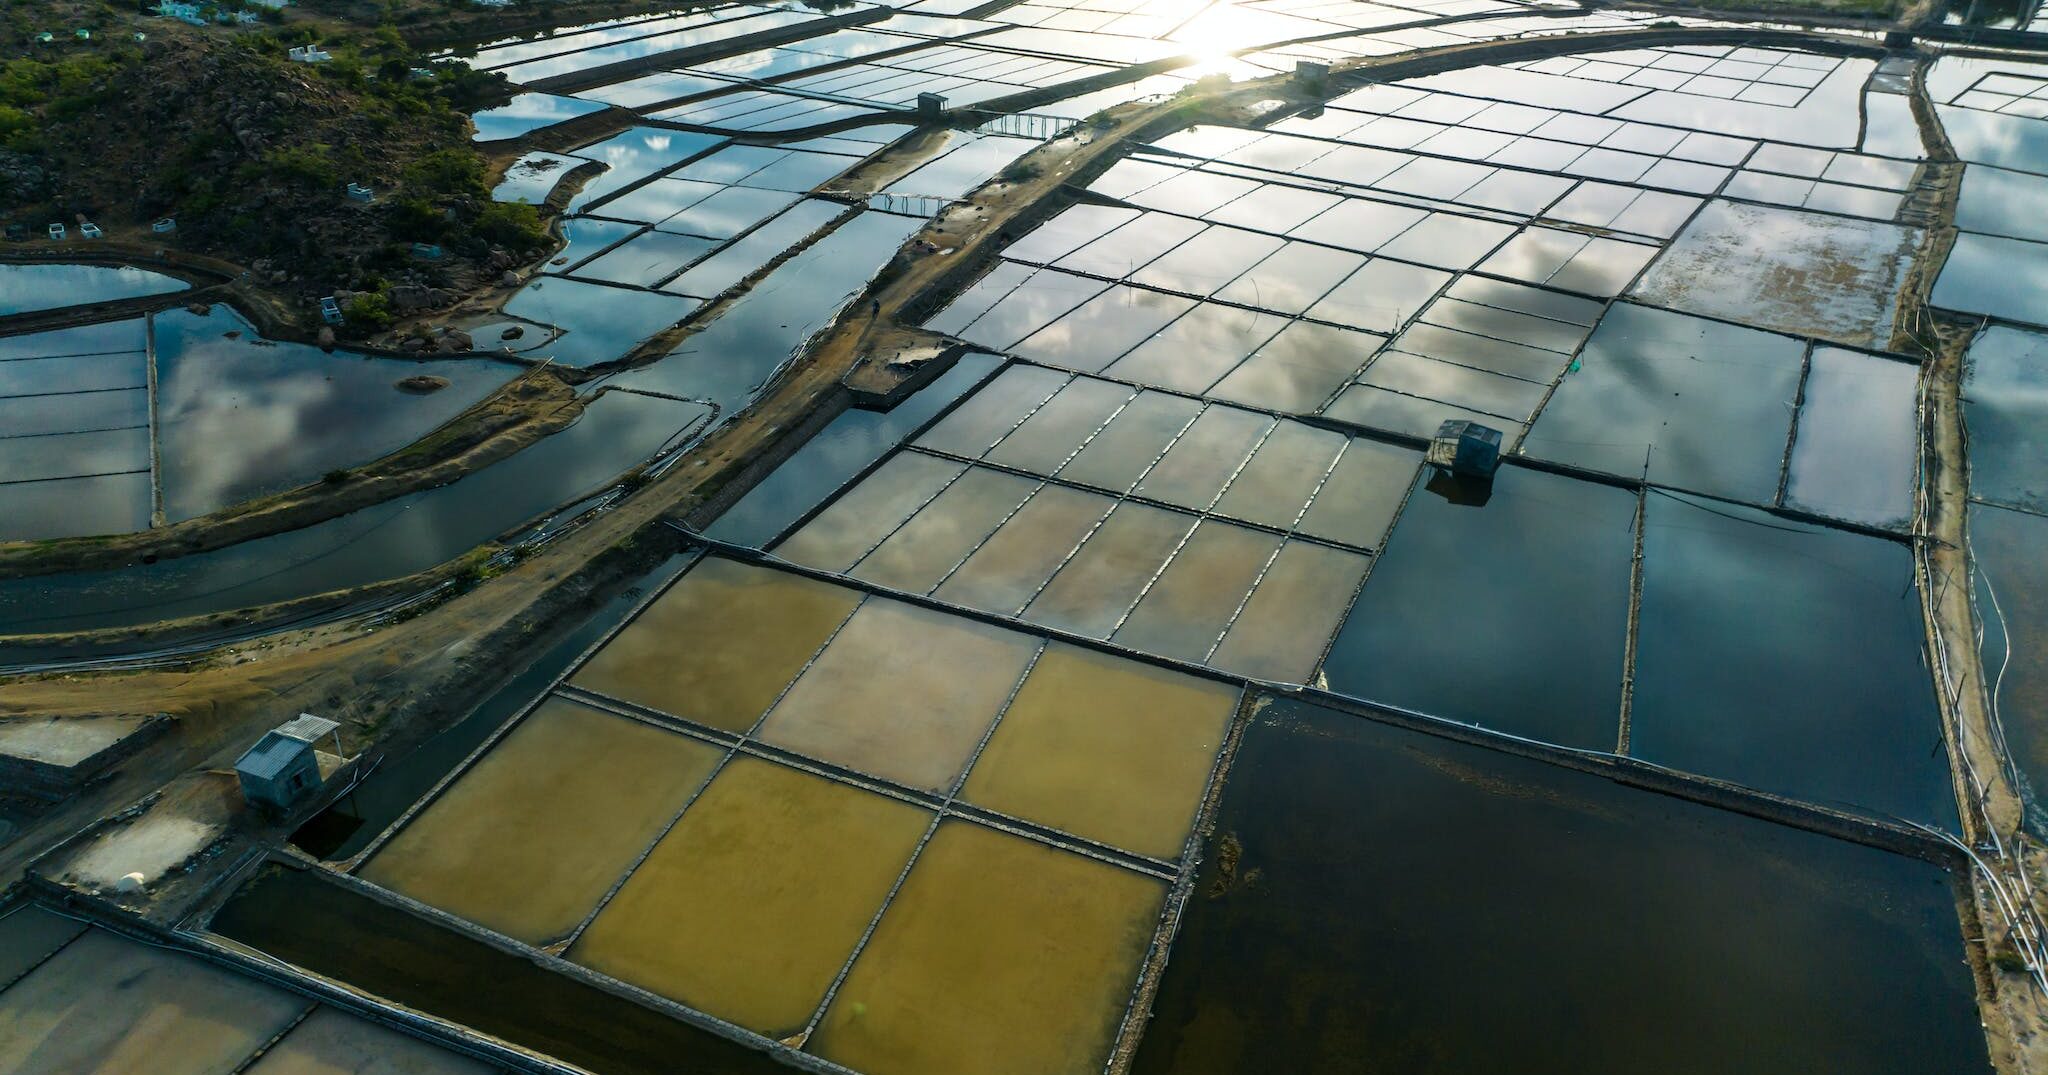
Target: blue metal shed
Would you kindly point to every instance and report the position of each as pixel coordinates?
(283, 769)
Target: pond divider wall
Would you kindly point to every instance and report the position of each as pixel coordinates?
(1871, 830)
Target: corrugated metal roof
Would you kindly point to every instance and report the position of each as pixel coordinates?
(307, 728)
(271, 754)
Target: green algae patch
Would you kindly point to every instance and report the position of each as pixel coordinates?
(529, 840)
(1105, 748)
(749, 907)
(720, 645)
(999, 956)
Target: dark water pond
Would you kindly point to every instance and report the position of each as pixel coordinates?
(2012, 605)
(435, 970)
(1511, 613)
(1787, 658)
(1379, 900)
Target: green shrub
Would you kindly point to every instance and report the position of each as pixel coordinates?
(470, 90)
(308, 166)
(418, 220)
(17, 129)
(447, 171)
(369, 310)
(515, 225)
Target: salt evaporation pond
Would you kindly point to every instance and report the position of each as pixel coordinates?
(1786, 658)
(529, 112)
(2011, 578)
(1378, 899)
(349, 825)
(430, 968)
(2005, 408)
(837, 453)
(240, 417)
(1507, 609)
(173, 1012)
(28, 288)
(619, 430)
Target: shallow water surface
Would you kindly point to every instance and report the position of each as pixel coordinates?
(1996, 276)
(1856, 448)
(1190, 603)
(1091, 593)
(239, 416)
(903, 693)
(28, 934)
(1280, 633)
(1357, 502)
(2012, 604)
(1995, 201)
(994, 411)
(2005, 409)
(1278, 479)
(1695, 404)
(1008, 569)
(28, 288)
(1828, 276)
(1042, 443)
(835, 539)
(1132, 442)
(599, 323)
(839, 451)
(734, 356)
(933, 542)
(389, 540)
(528, 112)
(105, 1005)
(331, 1043)
(1194, 471)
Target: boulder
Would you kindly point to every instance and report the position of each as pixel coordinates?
(420, 297)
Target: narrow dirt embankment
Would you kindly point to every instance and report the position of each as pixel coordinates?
(2013, 1007)
(528, 408)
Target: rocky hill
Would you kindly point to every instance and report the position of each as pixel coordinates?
(250, 152)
